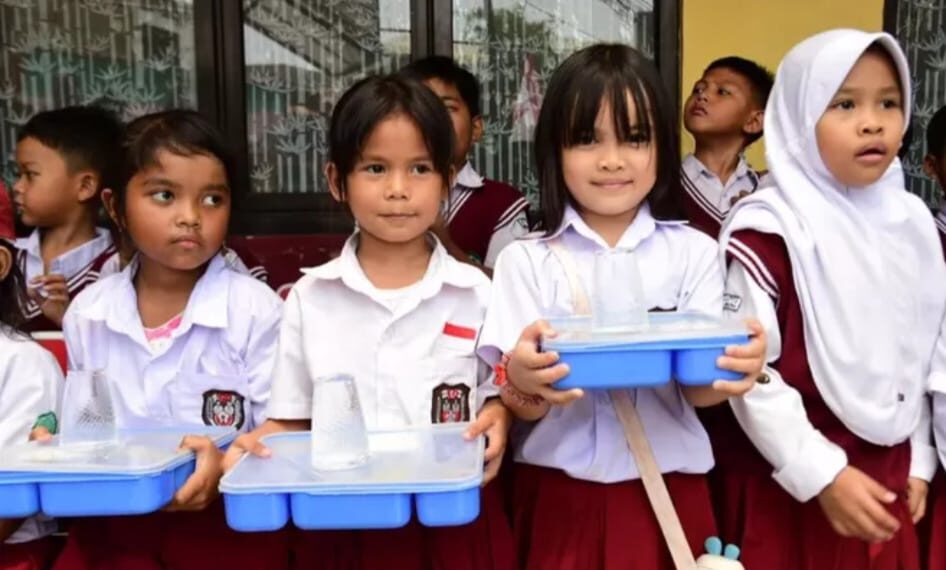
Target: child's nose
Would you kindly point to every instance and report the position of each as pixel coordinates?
(188, 215)
(397, 186)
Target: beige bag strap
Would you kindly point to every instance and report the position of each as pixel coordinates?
(654, 484)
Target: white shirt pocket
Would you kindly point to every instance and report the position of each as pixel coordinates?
(212, 400)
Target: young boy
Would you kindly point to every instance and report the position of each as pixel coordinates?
(65, 158)
(724, 113)
(934, 163)
(484, 215)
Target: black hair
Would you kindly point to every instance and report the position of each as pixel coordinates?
(576, 90)
(449, 71)
(12, 295)
(760, 81)
(178, 131)
(87, 138)
(374, 99)
(936, 134)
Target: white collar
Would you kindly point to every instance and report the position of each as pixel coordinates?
(468, 177)
(643, 226)
(694, 168)
(72, 261)
(207, 305)
(442, 270)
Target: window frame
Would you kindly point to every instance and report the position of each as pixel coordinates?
(221, 97)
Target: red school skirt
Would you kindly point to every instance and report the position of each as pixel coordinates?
(484, 544)
(779, 533)
(32, 555)
(562, 523)
(932, 529)
(171, 541)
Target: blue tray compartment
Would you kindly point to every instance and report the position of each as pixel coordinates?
(260, 512)
(451, 508)
(18, 499)
(316, 512)
(618, 367)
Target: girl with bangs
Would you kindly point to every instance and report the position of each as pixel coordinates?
(609, 174)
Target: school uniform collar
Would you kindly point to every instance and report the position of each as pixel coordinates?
(468, 178)
(442, 270)
(72, 261)
(694, 169)
(643, 226)
(206, 307)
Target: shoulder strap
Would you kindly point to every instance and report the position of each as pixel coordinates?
(654, 484)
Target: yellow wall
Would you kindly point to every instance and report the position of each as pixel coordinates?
(761, 30)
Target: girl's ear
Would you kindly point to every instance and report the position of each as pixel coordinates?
(108, 199)
(334, 183)
(6, 262)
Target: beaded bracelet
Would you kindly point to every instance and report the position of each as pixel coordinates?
(506, 387)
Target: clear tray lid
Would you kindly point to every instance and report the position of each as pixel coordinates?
(426, 459)
(132, 453)
(671, 327)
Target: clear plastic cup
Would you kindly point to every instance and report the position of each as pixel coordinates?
(617, 300)
(339, 436)
(89, 413)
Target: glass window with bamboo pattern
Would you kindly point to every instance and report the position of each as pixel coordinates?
(132, 56)
(513, 46)
(300, 57)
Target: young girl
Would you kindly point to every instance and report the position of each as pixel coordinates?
(183, 340)
(830, 259)
(30, 380)
(400, 315)
(609, 171)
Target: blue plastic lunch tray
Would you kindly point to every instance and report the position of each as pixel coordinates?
(432, 470)
(680, 346)
(137, 475)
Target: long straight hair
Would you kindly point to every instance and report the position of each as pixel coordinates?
(580, 85)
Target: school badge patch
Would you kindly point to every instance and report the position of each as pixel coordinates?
(223, 408)
(450, 403)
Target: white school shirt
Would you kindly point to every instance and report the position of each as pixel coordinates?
(30, 383)
(513, 224)
(680, 270)
(715, 197)
(773, 415)
(215, 371)
(71, 264)
(411, 354)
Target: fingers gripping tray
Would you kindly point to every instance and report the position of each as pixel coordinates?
(680, 346)
(136, 474)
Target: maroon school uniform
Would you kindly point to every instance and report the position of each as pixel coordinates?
(485, 215)
(706, 201)
(618, 526)
(90, 273)
(932, 529)
(7, 229)
(171, 541)
(32, 555)
(774, 530)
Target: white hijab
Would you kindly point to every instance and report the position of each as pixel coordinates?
(866, 262)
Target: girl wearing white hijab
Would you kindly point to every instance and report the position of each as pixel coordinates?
(830, 260)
